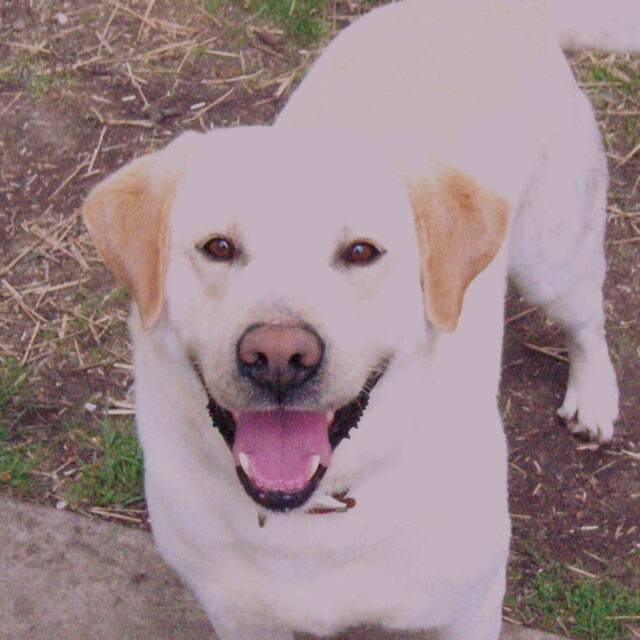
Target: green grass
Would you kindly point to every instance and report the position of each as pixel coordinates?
(30, 73)
(589, 608)
(115, 477)
(13, 377)
(17, 458)
(37, 83)
(16, 462)
(623, 347)
(303, 20)
(211, 5)
(601, 73)
(112, 473)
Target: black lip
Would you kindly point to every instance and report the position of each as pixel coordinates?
(348, 417)
(280, 500)
(222, 420)
(345, 419)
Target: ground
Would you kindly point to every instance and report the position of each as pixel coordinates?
(86, 86)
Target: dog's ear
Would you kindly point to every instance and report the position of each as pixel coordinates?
(460, 227)
(127, 215)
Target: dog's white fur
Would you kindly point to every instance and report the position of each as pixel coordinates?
(480, 86)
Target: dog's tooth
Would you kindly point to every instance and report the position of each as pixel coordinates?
(330, 416)
(315, 463)
(244, 463)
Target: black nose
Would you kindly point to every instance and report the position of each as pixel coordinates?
(279, 357)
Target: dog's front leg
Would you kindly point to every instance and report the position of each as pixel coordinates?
(482, 622)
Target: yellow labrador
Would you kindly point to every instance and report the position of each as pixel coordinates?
(346, 268)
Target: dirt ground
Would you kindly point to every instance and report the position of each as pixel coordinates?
(86, 86)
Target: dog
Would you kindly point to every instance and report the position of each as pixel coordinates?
(318, 320)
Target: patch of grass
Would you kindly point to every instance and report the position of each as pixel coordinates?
(199, 52)
(29, 72)
(590, 609)
(16, 461)
(211, 6)
(37, 84)
(16, 458)
(303, 20)
(623, 346)
(115, 477)
(13, 72)
(601, 73)
(13, 377)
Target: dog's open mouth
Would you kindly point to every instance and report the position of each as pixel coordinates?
(281, 455)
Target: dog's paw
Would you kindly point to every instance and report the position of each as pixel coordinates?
(590, 404)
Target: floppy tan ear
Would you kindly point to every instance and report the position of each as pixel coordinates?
(127, 215)
(460, 227)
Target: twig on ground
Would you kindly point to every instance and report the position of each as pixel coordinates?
(35, 332)
(87, 367)
(20, 256)
(552, 352)
(95, 152)
(67, 180)
(522, 314)
(15, 99)
(215, 103)
(150, 6)
(34, 315)
(109, 513)
(147, 124)
(628, 157)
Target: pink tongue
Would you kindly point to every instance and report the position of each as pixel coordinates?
(281, 446)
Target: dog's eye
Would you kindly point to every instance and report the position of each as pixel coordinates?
(220, 249)
(361, 253)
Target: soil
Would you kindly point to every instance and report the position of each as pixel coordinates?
(86, 86)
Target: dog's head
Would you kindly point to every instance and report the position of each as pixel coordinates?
(293, 270)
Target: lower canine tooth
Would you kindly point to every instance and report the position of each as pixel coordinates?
(244, 463)
(315, 463)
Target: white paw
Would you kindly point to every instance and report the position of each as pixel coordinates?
(590, 404)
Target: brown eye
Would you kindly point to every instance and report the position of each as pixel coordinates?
(220, 249)
(361, 254)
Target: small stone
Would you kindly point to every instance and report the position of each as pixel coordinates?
(61, 505)
(61, 18)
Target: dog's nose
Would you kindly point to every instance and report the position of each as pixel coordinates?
(280, 358)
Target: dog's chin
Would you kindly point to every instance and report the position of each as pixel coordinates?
(282, 454)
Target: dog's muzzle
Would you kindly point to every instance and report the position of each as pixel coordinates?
(281, 455)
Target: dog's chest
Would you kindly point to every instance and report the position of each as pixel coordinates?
(323, 573)
(323, 587)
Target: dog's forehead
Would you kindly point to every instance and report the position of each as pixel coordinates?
(257, 180)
